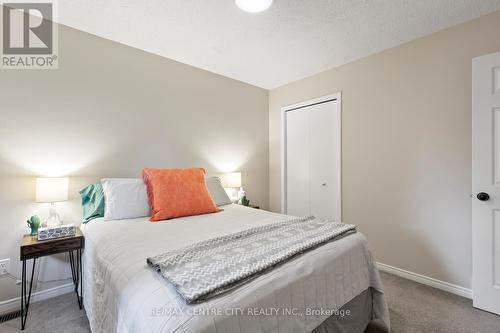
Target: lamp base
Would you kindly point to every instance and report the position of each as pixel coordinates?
(232, 193)
(241, 194)
(54, 220)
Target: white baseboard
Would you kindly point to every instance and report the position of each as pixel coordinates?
(15, 303)
(435, 283)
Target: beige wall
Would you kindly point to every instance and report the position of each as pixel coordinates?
(406, 140)
(108, 111)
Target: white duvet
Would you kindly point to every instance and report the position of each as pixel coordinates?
(123, 294)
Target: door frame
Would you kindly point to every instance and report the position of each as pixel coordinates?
(318, 100)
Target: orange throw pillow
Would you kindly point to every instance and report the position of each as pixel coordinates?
(178, 192)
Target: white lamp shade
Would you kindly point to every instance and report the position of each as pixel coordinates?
(231, 180)
(51, 189)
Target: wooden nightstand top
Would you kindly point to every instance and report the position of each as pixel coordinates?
(31, 247)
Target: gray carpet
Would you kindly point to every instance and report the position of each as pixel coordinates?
(414, 308)
(56, 315)
(418, 308)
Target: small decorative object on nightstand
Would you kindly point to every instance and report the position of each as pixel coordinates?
(66, 230)
(34, 224)
(32, 248)
(244, 201)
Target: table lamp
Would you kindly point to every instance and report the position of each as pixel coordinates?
(231, 183)
(52, 190)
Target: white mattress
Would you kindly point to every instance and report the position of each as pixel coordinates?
(122, 294)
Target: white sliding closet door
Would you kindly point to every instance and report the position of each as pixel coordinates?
(323, 158)
(312, 160)
(298, 163)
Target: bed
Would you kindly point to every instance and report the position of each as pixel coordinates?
(332, 288)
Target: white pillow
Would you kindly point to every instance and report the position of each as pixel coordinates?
(217, 191)
(125, 198)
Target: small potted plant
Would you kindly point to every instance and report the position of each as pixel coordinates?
(245, 201)
(34, 224)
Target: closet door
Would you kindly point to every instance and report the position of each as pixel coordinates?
(297, 163)
(323, 145)
(313, 160)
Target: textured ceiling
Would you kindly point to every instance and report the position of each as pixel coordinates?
(294, 39)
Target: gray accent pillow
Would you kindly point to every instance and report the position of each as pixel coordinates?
(217, 191)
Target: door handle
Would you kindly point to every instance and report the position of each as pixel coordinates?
(482, 196)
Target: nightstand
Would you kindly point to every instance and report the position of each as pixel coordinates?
(32, 248)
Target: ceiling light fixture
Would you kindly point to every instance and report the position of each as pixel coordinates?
(254, 6)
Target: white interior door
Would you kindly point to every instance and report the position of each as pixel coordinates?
(312, 158)
(486, 183)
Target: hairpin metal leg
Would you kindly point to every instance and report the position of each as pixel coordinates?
(25, 302)
(73, 268)
(75, 261)
(23, 282)
(80, 278)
